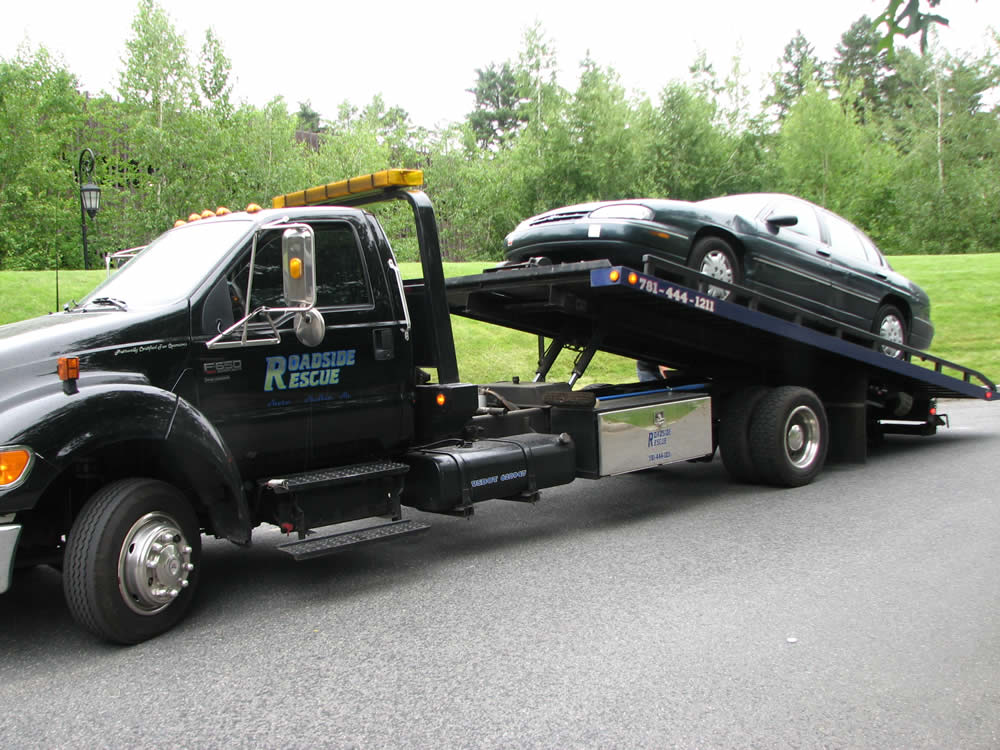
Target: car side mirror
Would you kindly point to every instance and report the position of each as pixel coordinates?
(783, 220)
(298, 265)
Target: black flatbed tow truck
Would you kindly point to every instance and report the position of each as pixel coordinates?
(269, 366)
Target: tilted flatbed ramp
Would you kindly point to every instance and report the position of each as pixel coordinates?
(642, 316)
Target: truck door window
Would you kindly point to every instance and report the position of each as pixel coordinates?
(341, 275)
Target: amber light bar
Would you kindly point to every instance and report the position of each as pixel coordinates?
(368, 183)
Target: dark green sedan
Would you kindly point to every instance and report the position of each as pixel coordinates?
(778, 245)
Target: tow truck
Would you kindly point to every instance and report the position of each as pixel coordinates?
(272, 366)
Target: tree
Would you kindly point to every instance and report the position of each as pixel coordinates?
(214, 70)
(40, 117)
(307, 118)
(862, 63)
(798, 69)
(497, 117)
(157, 72)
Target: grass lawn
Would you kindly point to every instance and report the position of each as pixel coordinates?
(964, 291)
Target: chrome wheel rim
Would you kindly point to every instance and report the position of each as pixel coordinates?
(802, 437)
(891, 328)
(717, 265)
(154, 564)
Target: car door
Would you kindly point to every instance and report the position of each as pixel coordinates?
(859, 285)
(791, 263)
(283, 406)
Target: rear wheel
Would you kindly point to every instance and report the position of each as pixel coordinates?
(890, 324)
(734, 433)
(132, 560)
(789, 436)
(714, 257)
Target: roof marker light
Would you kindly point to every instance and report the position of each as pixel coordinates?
(253, 208)
(194, 217)
(179, 223)
(615, 275)
(207, 213)
(222, 211)
(633, 278)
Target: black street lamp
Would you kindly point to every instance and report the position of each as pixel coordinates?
(90, 195)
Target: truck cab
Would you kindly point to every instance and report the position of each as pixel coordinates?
(235, 364)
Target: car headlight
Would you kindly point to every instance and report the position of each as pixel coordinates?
(623, 211)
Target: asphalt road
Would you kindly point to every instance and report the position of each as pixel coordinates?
(666, 609)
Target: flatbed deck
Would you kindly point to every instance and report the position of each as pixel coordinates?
(640, 315)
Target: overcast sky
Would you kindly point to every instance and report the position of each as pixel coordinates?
(423, 55)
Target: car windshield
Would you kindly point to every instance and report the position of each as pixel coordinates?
(748, 206)
(172, 266)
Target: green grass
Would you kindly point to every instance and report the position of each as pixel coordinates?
(964, 291)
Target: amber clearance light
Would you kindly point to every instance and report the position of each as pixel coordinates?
(615, 275)
(14, 463)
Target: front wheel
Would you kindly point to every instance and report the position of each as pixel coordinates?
(789, 436)
(890, 324)
(132, 560)
(714, 257)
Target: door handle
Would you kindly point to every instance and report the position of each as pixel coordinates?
(824, 253)
(385, 347)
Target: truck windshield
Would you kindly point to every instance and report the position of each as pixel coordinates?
(173, 265)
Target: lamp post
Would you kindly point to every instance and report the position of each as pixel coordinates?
(90, 195)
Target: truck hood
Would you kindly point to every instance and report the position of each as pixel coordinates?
(29, 349)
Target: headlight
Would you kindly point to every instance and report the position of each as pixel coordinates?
(15, 465)
(623, 211)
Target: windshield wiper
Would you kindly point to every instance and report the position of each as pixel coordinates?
(108, 302)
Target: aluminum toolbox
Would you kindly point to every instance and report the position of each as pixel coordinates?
(631, 432)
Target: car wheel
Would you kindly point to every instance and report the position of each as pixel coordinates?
(890, 324)
(789, 436)
(132, 560)
(714, 257)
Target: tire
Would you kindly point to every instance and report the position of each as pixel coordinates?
(734, 433)
(789, 437)
(714, 256)
(132, 560)
(890, 323)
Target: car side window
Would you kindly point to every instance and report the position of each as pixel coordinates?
(808, 224)
(845, 239)
(874, 255)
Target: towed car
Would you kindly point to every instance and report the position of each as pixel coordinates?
(778, 245)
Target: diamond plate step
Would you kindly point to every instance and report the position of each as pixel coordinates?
(327, 545)
(330, 477)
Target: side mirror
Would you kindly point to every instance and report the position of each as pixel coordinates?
(783, 221)
(298, 265)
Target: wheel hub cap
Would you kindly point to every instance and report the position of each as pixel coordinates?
(716, 264)
(892, 329)
(154, 564)
(802, 437)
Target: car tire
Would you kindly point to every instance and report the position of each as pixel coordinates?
(132, 560)
(890, 323)
(734, 433)
(789, 436)
(715, 257)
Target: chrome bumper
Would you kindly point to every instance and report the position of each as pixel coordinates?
(9, 534)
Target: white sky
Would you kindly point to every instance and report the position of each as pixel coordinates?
(423, 55)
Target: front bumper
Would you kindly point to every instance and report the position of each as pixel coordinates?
(9, 534)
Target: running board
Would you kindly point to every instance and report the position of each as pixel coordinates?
(307, 549)
(312, 480)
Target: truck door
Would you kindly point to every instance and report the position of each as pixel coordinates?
(284, 406)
